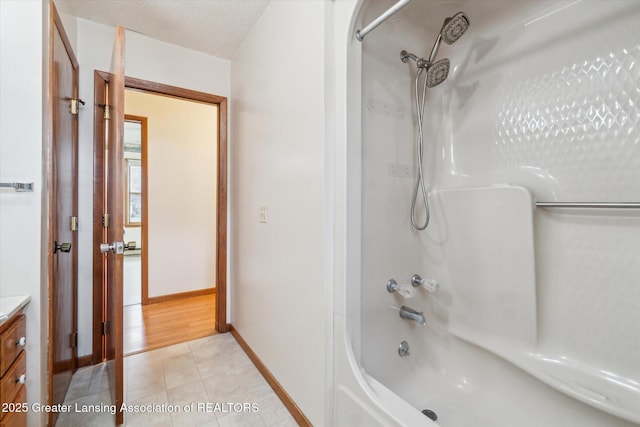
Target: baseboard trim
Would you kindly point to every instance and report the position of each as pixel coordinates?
(83, 361)
(180, 295)
(288, 402)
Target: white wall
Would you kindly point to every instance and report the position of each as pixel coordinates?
(182, 191)
(23, 87)
(277, 159)
(146, 59)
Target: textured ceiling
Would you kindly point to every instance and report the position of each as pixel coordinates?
(216, 27)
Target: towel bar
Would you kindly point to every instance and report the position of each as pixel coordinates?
(18, 186)
(589, 205)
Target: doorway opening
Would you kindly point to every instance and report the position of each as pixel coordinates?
(135, 143)
(174, 259)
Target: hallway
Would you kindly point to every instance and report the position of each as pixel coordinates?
(152, 326)
(212, 370)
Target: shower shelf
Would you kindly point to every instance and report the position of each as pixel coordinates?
(494, 305)
(592, 385)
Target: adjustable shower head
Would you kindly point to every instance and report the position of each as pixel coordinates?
(437, 72)
(452, 29)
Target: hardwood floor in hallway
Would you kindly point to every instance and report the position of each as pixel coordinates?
(152, 326)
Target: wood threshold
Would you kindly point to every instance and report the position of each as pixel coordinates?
(287, 401)
(180, 295)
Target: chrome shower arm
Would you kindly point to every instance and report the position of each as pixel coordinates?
(420, 62)
(406, 56)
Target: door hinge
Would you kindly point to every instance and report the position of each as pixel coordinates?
(74, 223)
(105, 220)
(74, 339)
(106, 111)
(105, 328)
(75, 105)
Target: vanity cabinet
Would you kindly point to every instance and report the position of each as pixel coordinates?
(13, 369)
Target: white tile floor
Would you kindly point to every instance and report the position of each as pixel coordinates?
(209, 370)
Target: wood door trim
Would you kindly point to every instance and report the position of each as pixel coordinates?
(178, 92)
(57, 21)
(144, 228)
(221, 246)
(100, 78)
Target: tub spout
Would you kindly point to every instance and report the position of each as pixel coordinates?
(410, 314)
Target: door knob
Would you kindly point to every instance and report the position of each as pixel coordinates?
(117, 247)
(62, 247)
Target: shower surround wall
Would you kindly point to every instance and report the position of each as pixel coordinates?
(538, 310)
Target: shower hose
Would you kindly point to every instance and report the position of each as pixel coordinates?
(420, 187)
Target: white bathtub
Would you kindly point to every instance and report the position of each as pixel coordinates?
(537, 320)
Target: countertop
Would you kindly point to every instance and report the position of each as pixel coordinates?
(11, 305)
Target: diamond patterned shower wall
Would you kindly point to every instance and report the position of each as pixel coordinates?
(579, 124)
(579, 127)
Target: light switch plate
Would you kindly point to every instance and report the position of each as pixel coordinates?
(263, 213)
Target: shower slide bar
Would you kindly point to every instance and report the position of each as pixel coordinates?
(589, 205)
(19, 187)
(360, 34)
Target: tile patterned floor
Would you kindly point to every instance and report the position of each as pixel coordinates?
(209, 370)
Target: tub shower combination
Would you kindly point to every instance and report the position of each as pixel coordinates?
(499, 215)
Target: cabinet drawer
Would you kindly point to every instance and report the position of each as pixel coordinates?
(10, 384)
(12, 342)
(16, 419)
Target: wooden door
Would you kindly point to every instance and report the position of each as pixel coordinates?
(64, 209)
(115, 211)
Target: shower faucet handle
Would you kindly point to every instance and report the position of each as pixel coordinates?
(429, 284)
(404, 290)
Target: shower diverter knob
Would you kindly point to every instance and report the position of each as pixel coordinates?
(429, 284)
